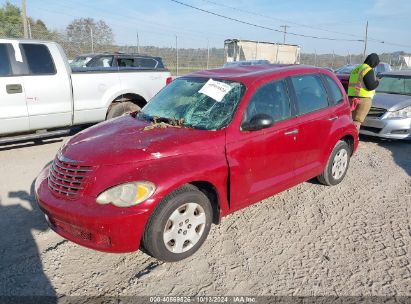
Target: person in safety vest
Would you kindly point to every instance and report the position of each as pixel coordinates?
(362, 85)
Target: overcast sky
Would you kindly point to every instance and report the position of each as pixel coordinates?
(158, 21)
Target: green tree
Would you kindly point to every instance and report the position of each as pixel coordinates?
(86, 32)
(38, 30)
(11, 24)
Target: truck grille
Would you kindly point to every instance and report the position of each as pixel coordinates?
(68, 179)
(376, 112)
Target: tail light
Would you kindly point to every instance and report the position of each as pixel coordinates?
(169, 80)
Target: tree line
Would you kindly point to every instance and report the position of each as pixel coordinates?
(80, 36)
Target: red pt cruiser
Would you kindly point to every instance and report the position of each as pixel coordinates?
(208, 144)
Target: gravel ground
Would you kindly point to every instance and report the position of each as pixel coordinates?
(351, 239)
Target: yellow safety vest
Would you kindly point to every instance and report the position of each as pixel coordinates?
(356, 87)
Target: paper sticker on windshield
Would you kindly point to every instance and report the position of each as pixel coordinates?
(215, 89)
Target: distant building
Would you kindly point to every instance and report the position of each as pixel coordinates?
(240, 50)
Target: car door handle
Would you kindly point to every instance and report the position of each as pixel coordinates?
(14, 88)
(295, 131)
(333, 118)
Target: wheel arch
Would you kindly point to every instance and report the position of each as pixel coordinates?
(349, 139)
(212, 194)
(346, 137)
(137, 99)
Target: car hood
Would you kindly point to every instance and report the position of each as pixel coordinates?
(343, 76)
(124, 140)
(391, 102)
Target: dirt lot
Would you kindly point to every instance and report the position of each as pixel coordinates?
(352, 239)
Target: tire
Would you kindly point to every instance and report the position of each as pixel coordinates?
(178, 226)
(120, 108)
(337, 165)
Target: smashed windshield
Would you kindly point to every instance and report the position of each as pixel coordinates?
(200, 103)
(395, 85)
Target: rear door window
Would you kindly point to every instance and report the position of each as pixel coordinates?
(39, 59)
(126, 62)
(148, 63)
(101, 62)
(137, 62)
(5, 66)
(310, 93)
(335, 91)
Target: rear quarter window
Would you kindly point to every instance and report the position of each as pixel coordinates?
(335, 92)
(5, 67)
(137, 62)
(39, 59)
(146, 63)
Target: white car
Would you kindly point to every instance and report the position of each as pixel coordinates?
(39, 92)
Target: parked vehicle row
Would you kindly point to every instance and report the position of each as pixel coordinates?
(344, 72)
(40, 92)
(116, 60)
(209, 144)
(390, 114)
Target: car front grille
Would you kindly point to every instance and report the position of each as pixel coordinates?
(371, 129)
(68, 179)
(376, 112)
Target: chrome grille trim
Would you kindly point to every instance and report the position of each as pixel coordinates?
(75, 177)
(376, 112)
(69, 187)
(62, 191)
(72, 169)
(64, 179)
(68, 179)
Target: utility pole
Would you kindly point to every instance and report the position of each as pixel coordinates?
(138, 44)
(365, 40)
(92, 42)
(29, 25)
(285, 31)
(176, 57)
(208, 52)
(24, 16)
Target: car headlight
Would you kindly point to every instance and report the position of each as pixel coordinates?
(403, 113)
(127, 195)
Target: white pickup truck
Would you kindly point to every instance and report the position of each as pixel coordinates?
(40, 95)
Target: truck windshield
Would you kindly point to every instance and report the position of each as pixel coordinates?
(200, 103)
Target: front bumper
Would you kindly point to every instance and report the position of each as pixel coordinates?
(82, 221)
(387, 128)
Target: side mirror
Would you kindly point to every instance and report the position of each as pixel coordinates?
(258, 122)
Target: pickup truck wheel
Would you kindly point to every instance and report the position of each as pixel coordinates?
(120, 108)
(337, 165)
(179, 225)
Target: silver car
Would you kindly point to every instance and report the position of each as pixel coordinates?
(390, 114)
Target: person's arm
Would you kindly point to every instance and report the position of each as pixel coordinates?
(370, 81)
